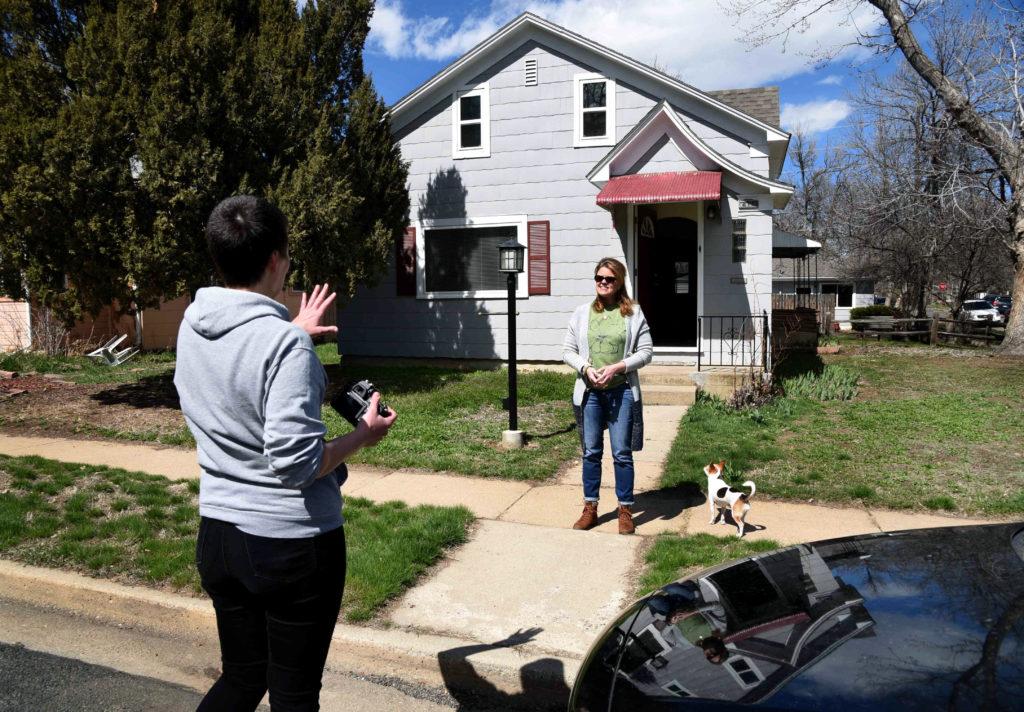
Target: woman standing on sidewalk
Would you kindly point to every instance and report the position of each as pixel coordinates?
(608, 341)
(271, 545)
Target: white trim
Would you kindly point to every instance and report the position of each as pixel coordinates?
(700, 263)
(484, 149)
(601, 172)
(578, 139)
(522, 285)
(736, 675)
(773, 133)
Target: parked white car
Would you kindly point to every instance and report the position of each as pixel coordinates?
(980, 310)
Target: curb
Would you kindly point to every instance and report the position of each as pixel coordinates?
(428, 659)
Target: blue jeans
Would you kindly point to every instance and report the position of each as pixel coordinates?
(611, 409)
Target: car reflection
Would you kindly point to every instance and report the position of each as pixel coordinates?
(741, 633)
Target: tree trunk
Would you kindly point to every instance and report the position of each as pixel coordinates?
(1013, 342)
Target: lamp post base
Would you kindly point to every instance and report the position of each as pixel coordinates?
(512, 439)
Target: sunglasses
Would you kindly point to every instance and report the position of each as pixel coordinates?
(601, 279)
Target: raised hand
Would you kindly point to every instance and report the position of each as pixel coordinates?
(311, 311)
(518, 638)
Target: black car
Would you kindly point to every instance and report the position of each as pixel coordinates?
(1003, 305)
(929, 619)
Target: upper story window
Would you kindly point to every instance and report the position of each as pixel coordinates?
(594, 110)
(471, 123)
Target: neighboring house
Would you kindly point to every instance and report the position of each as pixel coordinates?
(825, 274)
(15, 325)
(578, 152)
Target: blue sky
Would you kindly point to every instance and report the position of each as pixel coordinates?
(410, 40)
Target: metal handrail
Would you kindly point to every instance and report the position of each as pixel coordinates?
(742, 340)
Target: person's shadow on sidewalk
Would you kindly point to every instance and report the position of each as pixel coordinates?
(543, 680)
(663, 504)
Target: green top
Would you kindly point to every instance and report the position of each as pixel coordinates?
(606, 337)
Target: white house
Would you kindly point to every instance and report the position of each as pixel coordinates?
(843, 283)
(579, 152)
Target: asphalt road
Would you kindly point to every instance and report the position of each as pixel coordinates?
(31, 680)
(52, 661)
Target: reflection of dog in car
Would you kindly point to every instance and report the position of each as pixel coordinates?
(722, 496)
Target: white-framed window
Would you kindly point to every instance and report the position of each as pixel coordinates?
(843, 292)
(458, 258)
(739, 241)
(744, 671)
(471, 122)
(593, 110)
(673, 687)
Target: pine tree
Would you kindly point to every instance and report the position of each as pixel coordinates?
(154, 111)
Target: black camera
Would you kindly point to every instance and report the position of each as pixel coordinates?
(354, 399)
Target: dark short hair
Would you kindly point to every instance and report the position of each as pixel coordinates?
(241, 234)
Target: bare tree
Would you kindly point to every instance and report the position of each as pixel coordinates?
(993, 125)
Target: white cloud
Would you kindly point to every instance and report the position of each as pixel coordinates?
(815, 116)
(695, 39)
(831, 79)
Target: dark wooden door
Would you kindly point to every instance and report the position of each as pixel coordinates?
(668, 281)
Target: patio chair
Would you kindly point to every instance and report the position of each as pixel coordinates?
(109, 355)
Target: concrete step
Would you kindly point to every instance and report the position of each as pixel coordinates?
(670, 395)
(658, 375)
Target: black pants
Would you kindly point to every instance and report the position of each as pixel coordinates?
(277, 601)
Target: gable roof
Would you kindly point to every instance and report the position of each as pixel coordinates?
(527, 21)
(601, 173)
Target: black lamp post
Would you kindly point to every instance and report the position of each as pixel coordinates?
(510, 261)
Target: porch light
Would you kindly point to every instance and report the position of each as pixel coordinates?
(510, 256)
(510, 262)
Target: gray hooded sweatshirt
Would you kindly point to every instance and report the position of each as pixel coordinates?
(251, 388)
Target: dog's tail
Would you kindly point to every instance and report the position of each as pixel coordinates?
(752, 486)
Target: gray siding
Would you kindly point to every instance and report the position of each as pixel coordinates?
(533, 170)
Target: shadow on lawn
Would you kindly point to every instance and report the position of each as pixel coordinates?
(792, 364)
(156, 391)
(542, 680)
(391, 380)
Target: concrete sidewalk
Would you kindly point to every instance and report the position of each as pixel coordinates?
(524, 568)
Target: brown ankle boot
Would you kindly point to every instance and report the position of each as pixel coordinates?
(589, 517)
(626, 525)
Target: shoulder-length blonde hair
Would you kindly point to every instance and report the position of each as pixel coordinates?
(621, 295)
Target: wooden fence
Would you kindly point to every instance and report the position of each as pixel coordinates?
(936, 329)
(823, 304)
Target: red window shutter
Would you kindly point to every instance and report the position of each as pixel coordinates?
(538, 236)
(405, 264)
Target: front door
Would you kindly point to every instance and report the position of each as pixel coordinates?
(668, 281)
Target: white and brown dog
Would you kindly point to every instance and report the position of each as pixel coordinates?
(722, 496)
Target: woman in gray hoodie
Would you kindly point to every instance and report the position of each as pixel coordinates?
(271, 546)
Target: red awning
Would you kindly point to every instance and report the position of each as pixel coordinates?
(680, 187)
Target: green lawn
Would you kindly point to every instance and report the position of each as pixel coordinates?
(924, 430)
(673, 556)
(452, 420)
(141, 528)
(82, 369)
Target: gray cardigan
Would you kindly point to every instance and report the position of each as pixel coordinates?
(638, 353)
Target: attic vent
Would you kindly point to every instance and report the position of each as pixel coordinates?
(531, 72)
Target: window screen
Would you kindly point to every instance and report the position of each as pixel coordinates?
(595, 114)
(465, 259)
(739, 240)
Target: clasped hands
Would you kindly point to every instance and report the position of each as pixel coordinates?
(601, 377)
